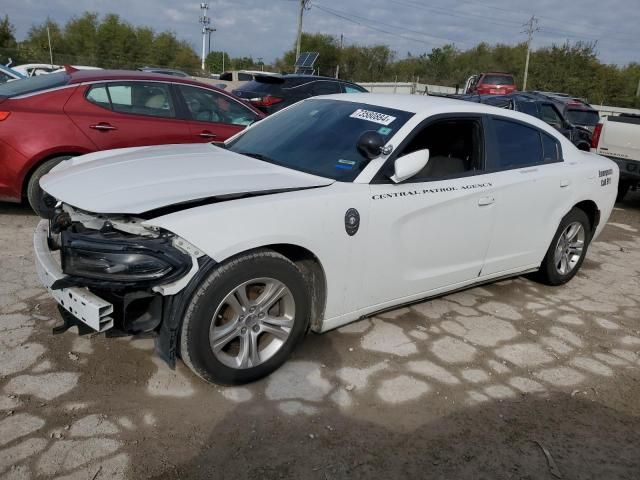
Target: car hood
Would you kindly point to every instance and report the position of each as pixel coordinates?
(138, 180)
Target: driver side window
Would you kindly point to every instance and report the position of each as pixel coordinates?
(455, 148)
(209, 106)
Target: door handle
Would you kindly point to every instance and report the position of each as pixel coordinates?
(564, 183)
(484, 201)
(103, 126)
(207, 135)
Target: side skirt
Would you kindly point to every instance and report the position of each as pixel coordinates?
(342, 320)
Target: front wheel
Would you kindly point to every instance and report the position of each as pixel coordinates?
(567, 250)
(245, 319)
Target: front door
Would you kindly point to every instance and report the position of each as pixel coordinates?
(433, 230)
(213, 116)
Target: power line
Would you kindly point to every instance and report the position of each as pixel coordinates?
(354, 16)
(326, 10)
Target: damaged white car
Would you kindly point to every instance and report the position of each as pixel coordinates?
(324, 213)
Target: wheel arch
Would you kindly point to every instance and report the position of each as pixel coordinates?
(312, 269)
(590, 208)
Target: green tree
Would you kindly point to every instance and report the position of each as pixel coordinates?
(214, 63)
(7, 33)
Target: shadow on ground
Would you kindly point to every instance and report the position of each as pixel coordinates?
(492, 441)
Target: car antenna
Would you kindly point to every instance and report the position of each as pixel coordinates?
(70, 69)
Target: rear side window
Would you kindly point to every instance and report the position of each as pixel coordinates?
(348, 88)
(244, 77)
(530, 108)
(550, 115)
(98, 94)
(498, 80)
(137, 98)
(34, 84)
(518, 146)
(325, 88)
(261, 87)
(551, 148)
(226, 76)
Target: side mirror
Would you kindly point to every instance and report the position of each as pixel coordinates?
(408, 165)
(370, 144)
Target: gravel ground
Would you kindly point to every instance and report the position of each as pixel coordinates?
(479, 384)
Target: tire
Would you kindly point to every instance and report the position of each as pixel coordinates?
(623, 189)
(558, 266)
(218, 316)
(35, 194)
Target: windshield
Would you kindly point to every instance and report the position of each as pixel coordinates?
(34, 84)
(583, 117)
(319, 136)
(12, 72)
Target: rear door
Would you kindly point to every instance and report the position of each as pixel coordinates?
(532, 185)
(213, 116)
(127, 114)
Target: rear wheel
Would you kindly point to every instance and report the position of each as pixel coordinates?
(245, 319)
(567, 250)
(35, 194)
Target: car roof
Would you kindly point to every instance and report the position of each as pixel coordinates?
(82, 76)
(425, 105)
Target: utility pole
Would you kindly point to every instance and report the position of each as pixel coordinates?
(339, 59)
(532, 26)
(303, 5)
(204, 21)
(638, 90)
(51, 50)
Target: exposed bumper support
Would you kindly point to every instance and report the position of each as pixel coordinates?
(80, 302)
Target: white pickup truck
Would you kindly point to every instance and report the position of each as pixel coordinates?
(618, 138)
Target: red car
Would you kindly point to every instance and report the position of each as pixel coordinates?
(492, 84)
(49, 118)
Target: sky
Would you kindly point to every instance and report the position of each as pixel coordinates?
(267, 28)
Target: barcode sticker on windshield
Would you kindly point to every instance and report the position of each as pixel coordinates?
(381, 118)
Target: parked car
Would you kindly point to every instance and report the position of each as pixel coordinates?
(540, 107)
(165, 71)
(271, 93)
(330, 211)
(618, 138)
(494, 83)
(8, 74)
(236, 78)
(576, 110)
(50, 118)
(31, 69)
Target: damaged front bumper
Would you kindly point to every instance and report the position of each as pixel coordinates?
(79, 302)
(102, 301)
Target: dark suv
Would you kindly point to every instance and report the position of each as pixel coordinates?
(575, 110)
(539, 106)
(271, 93)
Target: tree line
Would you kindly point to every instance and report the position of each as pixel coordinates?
(111, 42)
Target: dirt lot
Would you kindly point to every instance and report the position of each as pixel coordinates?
(473, 385)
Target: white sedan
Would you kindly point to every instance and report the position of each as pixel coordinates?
(329, 211)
